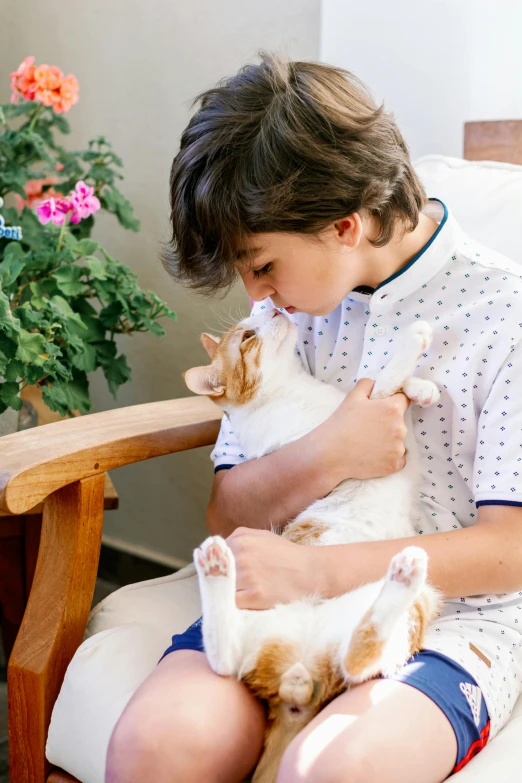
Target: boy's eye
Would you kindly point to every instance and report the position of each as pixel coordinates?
(247, 335)
(263, 271)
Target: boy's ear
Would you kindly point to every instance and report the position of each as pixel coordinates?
(210, 344)
(200, 381)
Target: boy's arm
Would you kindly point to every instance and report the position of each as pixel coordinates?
(364, 438)
(484, 558)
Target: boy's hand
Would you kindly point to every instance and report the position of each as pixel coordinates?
(270, 569)
(365, 438)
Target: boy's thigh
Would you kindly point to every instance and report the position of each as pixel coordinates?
(381, 730)
(184, 705)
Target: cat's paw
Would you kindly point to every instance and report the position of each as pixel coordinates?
(421, 391)
(213, 557)
(421, 335)
(409, 568)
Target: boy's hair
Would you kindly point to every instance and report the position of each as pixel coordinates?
(283, 146)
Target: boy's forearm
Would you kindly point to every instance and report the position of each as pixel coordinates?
(269, 491)
(485, 558)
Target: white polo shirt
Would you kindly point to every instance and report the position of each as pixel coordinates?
(471, 442)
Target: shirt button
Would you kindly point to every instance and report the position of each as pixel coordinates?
(380, 330)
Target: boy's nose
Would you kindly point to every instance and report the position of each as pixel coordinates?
(259, 290)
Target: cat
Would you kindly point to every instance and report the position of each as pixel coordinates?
(297, 657)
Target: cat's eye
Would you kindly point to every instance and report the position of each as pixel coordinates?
(248, 334)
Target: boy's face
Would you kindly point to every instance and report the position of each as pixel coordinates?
(304, 276)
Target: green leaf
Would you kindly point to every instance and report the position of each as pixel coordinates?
(9, 325)
(68, 280)
(86, 247)
(86, 360)
(68, 397)
(116, 202)
(3, 365)
(15, 369)
(12, 264)
(30, 344)
(110, 315)
(96, 267)
(37, 300)
(9, 395)
(65, 309)
(116, 373)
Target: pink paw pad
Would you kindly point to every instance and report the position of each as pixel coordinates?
(407, 566)
(213, 560)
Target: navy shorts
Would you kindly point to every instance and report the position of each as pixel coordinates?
(446, 683)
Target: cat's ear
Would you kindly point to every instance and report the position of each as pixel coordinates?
(210, 344)
(200, 381)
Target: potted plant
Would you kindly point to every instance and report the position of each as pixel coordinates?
(63, 297)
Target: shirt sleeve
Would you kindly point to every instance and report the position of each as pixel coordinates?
(497, 473)
(227, 452)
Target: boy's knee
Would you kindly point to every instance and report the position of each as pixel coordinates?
(303, 765)
(148, 746)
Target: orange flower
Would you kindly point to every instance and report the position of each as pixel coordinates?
(22, 81)
(35, 194)
(49, 79)
(45, 84)
(67, 95)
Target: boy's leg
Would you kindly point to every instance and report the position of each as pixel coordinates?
(187, 724)
(380, 731)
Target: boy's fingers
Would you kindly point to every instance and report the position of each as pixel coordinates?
(363, 388)
(403, 401)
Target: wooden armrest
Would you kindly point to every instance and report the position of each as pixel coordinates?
(36, 462)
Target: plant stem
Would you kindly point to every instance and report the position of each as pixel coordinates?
(60, 238)
(35, 117)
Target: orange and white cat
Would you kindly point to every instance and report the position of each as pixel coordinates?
(299, 656)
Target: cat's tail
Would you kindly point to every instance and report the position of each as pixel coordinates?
(281, 731)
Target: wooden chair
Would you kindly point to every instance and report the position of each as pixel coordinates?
(63, 466)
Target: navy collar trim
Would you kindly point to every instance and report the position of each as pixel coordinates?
(421, 251)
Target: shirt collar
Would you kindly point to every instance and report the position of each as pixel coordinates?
(423, 267)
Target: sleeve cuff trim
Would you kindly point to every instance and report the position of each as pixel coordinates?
(498, 503)
(226, 467)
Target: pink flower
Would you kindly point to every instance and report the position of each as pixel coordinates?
(83, 202)
(54, 210)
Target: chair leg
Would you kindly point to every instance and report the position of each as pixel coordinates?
(54, 620)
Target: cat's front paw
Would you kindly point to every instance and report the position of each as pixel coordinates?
(421, 335)
(213, 557)
(421, 391)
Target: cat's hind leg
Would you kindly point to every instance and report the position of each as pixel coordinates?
(391, 629)
(222, 620)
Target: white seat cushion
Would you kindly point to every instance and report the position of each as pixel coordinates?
(128, 632)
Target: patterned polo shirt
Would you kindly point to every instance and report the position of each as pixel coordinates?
(470, 443)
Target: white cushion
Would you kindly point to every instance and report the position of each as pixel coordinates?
(485, 197)
(126, 636)
(128, 632)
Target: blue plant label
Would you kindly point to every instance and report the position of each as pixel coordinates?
(9, 232)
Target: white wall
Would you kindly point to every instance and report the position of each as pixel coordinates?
(139, 65)
(436, 64)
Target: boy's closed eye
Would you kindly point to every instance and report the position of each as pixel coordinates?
(264, 270)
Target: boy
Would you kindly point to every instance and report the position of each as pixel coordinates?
(291, 176)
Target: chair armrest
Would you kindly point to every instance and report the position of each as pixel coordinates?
(36, 462)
